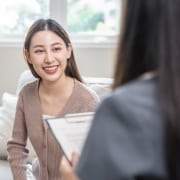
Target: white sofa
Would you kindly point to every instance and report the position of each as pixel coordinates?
(7, 112)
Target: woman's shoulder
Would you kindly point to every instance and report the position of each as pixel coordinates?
(28, 93)
(29, 88)
(84, 91)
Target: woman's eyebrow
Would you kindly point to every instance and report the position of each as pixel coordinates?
(37, 46)
(41, 46)
(57, 43)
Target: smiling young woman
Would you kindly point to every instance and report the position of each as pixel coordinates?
(58, 90)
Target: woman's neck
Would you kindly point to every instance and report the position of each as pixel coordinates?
(55, 88)
(53, 97)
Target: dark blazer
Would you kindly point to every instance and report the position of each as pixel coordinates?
(127, 137)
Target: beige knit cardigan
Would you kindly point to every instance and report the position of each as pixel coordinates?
(29, 123)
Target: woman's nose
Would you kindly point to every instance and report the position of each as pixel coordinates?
(49, 58)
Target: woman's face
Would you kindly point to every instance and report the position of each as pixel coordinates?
(48, 54)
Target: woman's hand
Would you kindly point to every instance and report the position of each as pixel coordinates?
(67, 170)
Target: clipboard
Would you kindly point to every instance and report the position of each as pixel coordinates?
(70, 131)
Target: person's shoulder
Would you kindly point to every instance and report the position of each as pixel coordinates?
(135, 89)
(29, 88)
(132, 97)
(85, 91)
(137, 104)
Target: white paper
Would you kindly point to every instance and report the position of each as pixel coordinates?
(71, 131)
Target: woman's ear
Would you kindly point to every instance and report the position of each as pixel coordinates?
(27, 56)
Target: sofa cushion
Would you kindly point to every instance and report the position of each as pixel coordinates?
(5, 170)
(102, 86)
(7, 113)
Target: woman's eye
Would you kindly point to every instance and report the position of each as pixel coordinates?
(56, 49)
(39, 51)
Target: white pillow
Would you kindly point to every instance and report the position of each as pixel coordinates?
(102, 86)
(7, 114)
(25, 78)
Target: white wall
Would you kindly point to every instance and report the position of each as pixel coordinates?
(96, 62)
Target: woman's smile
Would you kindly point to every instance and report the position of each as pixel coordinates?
(51, 69)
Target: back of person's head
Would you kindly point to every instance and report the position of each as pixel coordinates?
(149, 41)
(54, 26)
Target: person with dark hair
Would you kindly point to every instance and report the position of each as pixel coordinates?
(58, 90)
(135, 132)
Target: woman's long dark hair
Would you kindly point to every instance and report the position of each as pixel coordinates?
(150, 41)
